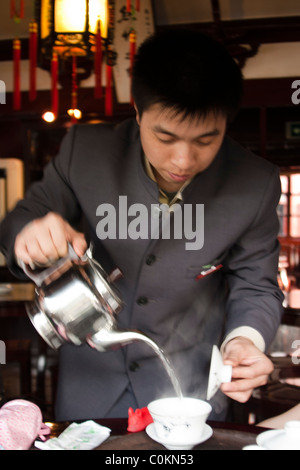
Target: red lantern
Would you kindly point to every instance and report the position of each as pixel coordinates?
(137, 5)
(17, 77)
(32, 60)
(54, 77)
(98, 63)
(108, 92)
(128, 8)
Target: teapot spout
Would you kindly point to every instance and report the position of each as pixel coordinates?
(108, 340)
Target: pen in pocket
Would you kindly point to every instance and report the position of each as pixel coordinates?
(211, 270)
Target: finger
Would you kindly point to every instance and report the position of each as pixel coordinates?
(59, 240)
(51, 236)
(241, 390)
(257, 369)
(233, 358)
(77, 240)
(21, 253)
(241, 397)
(62, 233)
(34, 244)
(29, 244)
(243, 385)
(79, 244)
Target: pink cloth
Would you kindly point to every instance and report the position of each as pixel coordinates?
(21, 423)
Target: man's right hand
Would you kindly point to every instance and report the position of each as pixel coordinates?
(46, 239)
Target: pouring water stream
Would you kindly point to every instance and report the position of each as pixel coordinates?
(104, 338)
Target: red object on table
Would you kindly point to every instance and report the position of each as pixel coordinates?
(139, 419)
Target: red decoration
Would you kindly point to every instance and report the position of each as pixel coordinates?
(132, 40)
(128, 6)
(16, 15)
(138, 420)
(137, 5)
(98, 62)
(17, 76)
(74, 86)
(54, 76)
(33, 27)
(108, 91)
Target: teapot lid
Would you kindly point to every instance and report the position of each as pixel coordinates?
(281, 439)
(219, 373)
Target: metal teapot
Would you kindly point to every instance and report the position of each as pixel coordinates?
(76, 303)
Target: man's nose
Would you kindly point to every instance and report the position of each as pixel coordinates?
(184, 157)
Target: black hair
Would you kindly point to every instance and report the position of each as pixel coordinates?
(188, 72)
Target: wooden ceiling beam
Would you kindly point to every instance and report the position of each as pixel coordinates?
(262, 30)
(234, 32)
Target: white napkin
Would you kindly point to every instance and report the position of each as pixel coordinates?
(77, 436)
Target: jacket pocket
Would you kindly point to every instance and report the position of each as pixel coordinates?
(200, 272)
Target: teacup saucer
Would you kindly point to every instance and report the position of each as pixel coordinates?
(207, 433)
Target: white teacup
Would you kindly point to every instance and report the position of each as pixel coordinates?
(179, 420)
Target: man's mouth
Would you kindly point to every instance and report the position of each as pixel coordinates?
(178, 178)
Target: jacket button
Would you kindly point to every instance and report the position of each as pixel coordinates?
(134, 366)
(150, 260)
(142, 301)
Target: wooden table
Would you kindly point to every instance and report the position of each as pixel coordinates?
(12, 299)
(225, 437)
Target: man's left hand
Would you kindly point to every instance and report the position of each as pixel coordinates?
(250, 368)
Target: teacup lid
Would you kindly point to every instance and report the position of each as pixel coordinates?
(281, 439)
(218, 374)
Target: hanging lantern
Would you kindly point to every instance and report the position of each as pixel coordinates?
(69, 28)
(137, 5)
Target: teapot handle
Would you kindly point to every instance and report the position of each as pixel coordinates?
(40, 274)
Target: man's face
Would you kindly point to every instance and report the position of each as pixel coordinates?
(178, 149)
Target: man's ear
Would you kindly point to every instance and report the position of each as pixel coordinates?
(137, 115)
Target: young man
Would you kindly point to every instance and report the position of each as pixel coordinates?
(186, 214)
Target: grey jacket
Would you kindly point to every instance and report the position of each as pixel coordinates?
(169, 292)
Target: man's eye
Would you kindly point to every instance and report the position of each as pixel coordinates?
(202, 143)
(168, 140)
